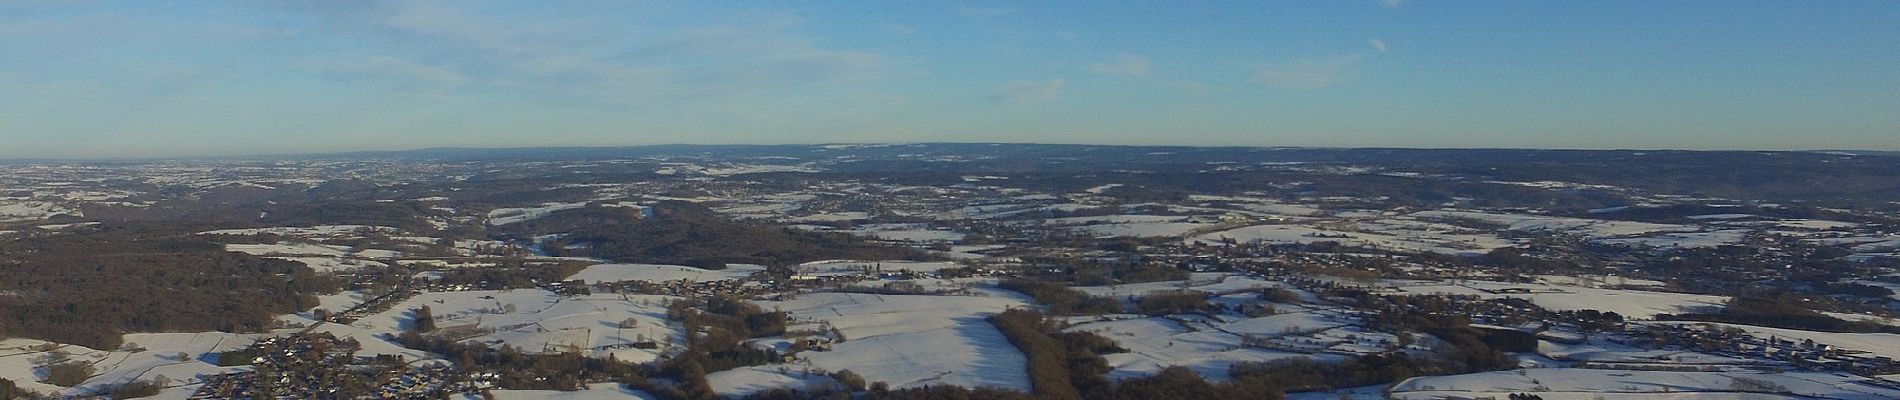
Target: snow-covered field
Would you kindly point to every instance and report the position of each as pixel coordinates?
(903, 232)
(1592, 228)
(15, 210)
(332, 264)
(887, 266)
(506, 216)
(319, 231)
(1144, 229)
(1684, 239)
(1599, 350)
(1210, 282)
(661, 272)
(1408, 240)
(598, 391)
(157, 354)
(748, 380)
(1155, 343)
(1880, 344)
(535, 320)
(1573, 383)
(912, 341)
(289, 249)
(1629, 303)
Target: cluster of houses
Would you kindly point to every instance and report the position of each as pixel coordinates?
(318, 365)
(1714, 339)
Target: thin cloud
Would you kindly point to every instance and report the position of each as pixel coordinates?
(1029, 92)
(400, 71)
(1392, 3)
(1124, 65)
(1307, 73)
(1377, 44)
(567, 59)
(985, 12)
(900, 30)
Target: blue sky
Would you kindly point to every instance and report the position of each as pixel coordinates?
(137, 79)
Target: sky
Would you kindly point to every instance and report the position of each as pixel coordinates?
(201, 78)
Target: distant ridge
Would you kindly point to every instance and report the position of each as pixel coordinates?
(912, 150)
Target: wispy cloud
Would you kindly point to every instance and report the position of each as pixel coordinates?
(387, 69)
(984, 12)
(593, 59)
(1392, 3)
(1377, 44)
(1029, 92)
(900, 30)
(1124, 65)
(1307, 73)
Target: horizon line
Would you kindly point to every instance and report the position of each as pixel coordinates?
(293, 155)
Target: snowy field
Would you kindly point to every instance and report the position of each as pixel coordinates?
(1155, 343)
(1405, 240)
(912, 341)
(1144, 229)
(1597, 349)
(887, 266)
(1629, 303)
(1880, 344)
(920, 233)
(1591, 228)
(748, 380)
(313, 232)
(332, 264)
(14, 210)
(1211, 282)
(289, 249)
(157, 355)
(536, 320)
(507, 216)
(1684, 239)
(1571, 383)
(661, 273)
(598, 391)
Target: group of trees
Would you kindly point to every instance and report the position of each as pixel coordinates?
(1060, 299)
(90, 288)
(68, 373)
(1174, 302)
(1781, 310)
(686, 233)
(509, 274)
